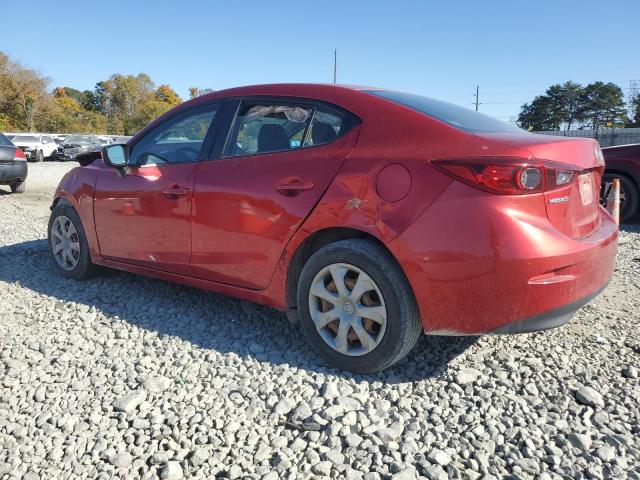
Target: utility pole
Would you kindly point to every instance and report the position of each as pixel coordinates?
(335, 64)
(477, 95)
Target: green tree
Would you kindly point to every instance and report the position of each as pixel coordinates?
(130, 102)
(540, 114)
(603, 105)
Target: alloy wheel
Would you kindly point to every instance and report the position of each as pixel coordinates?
(65, 242)
(348, 309)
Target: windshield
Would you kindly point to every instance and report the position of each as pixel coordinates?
(25, 139)
(81, 139)
(458, 117)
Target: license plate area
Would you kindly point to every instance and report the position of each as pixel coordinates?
(585, 185)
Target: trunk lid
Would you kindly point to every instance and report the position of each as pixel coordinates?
(572, 208)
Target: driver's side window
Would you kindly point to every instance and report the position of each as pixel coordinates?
(178, 140)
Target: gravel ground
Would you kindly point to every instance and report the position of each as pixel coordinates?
(123, 376)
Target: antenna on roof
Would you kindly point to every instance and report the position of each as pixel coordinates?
(335, 64)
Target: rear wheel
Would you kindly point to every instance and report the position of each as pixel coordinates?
(356, 306)
(629, 196)
(18, 187)
(68, 243)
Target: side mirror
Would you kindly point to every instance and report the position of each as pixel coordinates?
(115, 155)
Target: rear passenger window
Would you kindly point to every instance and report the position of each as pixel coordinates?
(325, 127)
(263, 128)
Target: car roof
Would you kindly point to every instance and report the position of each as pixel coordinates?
(319, 91)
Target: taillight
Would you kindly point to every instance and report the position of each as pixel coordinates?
(19, 155)
(510, 176)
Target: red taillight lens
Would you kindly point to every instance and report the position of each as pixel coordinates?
(19, 155)
(509, 176)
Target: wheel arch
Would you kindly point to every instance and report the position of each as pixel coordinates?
(311, 244)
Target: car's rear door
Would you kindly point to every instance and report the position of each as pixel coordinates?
(143, 217)
(260, 184)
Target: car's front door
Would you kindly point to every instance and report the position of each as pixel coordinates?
(280, 157)
(143, 215)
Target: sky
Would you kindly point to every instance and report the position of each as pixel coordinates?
(512, 49)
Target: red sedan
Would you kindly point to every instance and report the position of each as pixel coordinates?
(368, 215)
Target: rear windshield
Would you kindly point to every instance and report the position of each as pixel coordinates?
(456, 116)
(5, 141)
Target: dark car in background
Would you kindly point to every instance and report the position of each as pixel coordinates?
(623, 162)
(75, 145)
(13, 165)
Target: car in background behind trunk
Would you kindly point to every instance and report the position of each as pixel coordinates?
(13, 165)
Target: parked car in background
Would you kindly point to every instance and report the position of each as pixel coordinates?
(623, 162)
(13, 165)
(74, 145)
(368, 215)
(121, 139)
(35, 147)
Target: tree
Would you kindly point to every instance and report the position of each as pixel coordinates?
(130, 102)
(22, 94)
(596, 105)
(635, 110)
(538, 115)
(603, 105)
(166, 94)
(196, 92)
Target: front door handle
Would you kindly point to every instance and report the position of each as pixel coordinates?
(175, 191)
(292, 186)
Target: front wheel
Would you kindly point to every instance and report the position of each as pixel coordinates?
(68, 243)
(356, 306)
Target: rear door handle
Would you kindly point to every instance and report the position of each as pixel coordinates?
(175, 191)
(293, 186)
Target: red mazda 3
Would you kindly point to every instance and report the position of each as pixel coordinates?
(369, 215)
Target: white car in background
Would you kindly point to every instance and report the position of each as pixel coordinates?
(35, 147)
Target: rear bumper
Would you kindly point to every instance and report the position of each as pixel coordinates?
(15, 171)
(547, 320)
(480, 263)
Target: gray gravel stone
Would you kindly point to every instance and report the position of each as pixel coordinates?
(467, 375)
(172, 471)
(589, 396)
(580, 441)
(606, 454)
(129, 402)
(438, 456)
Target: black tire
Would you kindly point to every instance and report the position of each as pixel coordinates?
(629, 190)
(39, 156)
(18, 187)
(84, 268)
(403, 325)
